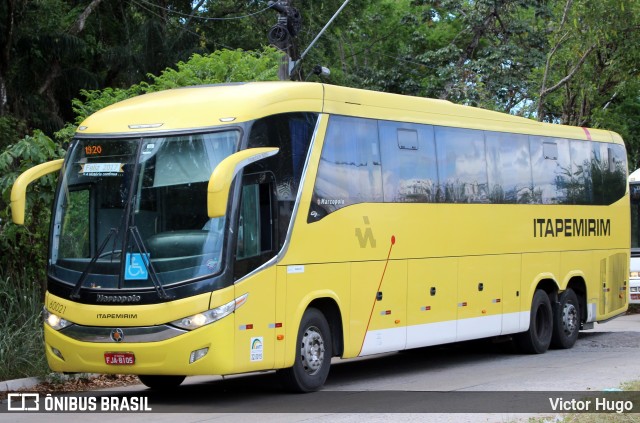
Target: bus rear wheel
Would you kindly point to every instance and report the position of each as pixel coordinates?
(566, 320)
(161, 383)
(538, 338)
(313, 354)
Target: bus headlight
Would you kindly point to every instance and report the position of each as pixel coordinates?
(198, 320)
(55, 321)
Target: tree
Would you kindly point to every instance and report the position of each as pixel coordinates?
(592, 56)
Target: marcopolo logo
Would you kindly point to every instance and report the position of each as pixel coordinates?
(118, 298)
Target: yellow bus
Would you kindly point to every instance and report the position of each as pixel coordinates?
(234, 228)
(634, 268)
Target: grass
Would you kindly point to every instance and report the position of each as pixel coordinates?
(631, 386)
(21, 338)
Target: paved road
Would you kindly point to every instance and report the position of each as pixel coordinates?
(602, 359)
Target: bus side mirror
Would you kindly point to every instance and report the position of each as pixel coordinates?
(223, 174)
(19, 188)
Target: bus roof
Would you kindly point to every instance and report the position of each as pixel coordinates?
(208, 106)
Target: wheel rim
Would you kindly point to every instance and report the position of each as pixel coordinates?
(312, 350)
(569, 318)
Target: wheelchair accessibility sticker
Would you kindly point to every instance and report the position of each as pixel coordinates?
(135, 268)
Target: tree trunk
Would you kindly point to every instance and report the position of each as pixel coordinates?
(79, 24)
(55, 71)
(546, 91)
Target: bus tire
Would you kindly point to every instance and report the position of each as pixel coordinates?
(161, 383)
(313, 355)
(538, 338)
(566, 320)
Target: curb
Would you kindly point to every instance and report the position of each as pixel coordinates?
(30, 382)
(15, 384)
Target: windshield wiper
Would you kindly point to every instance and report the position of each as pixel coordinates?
(137, 239)
(75, 294)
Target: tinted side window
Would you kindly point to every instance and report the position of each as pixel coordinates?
(291, 133)
(610, 177)
(255, 229)
(551, 169)
(580, 190)
(509, 168)
(462, 167)
(409, 169)
(349, 169)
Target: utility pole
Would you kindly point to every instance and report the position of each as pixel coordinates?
(283, 33)
(304, 53)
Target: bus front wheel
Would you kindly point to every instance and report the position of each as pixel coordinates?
(161, 383)
(313, 354)
(566, 320)
(537, 339)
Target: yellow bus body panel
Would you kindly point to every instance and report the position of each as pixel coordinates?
(400, 275)
(304, 284)
(202, 107)
(256, 322)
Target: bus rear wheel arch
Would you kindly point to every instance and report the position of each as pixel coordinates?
(537, 338)
(313, 354)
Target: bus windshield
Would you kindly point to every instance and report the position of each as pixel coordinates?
(130, 210)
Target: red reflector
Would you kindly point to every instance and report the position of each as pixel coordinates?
(278, 325)
(387, 312)
(250, 326)
(427, 308)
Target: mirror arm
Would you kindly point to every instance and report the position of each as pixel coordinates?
(223, 174)
(19, 189)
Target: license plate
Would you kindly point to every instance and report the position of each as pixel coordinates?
(119, 358)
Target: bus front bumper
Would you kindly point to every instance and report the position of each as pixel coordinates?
(212, 345)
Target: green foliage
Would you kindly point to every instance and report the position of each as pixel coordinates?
(622, 115)
(222, 66)
(21, 338)
(99, 99)
(11, 130)
(23, 258)
(24, 247)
